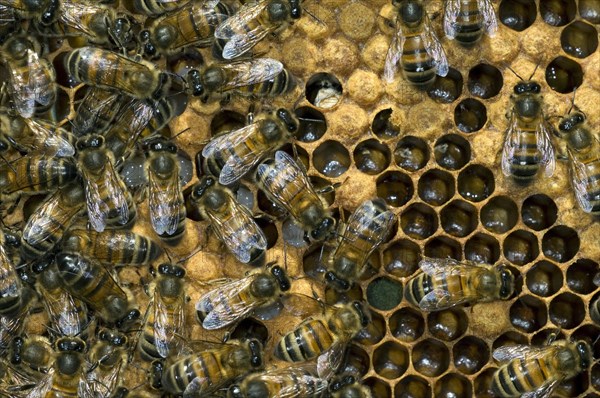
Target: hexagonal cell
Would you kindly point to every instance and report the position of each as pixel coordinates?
(579, 39)
(528, 314)
(250, 328)
(406, 324)
(430, 358)
(411, 153)
(590, 10)
(521, 247)
(436, 187)
(482, 248)
(446, 89)
(312, 124)
(557, 12)
(580, 276)
(395, 188)
(483, 384)
(382, 127)
(312, 262)
(333, 296)
(476, 183)
(372, 157)
(517, 14)
(390, 360)
(452, 151)
(470, 115)
(324, 188)
(412, 387)
(485, 81)
(590, 334)
(458, 218)
(374, 332)
(564, 75)
(356, 361)
(401, 258)
(470, 354)
(509, 338)
(545, 335)
(447, 325)
(378, 387)
(384, 293)
(443, 247)
(62, 76)
(331, 159)
(323, 90)
(453, 385)
(418, 221)
(270, 230)
(539, 212)
(544, 279)
(499, 215)
(226, 120)
(567, 310)
(560, 243)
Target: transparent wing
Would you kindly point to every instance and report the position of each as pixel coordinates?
(252, 71)
(42, 387)
(579, 178)
(237, 25)
(366, 221)
(433, 266)
(164, 200)
(451, 12)
(519, 351)
(97, 208)
(439, 299)
(490, 22)
(329, 362)
(225, 142)
(71, 14)
(434, 48)
(306, 385)
(511, 141)
(546, 148)
(48, 141)
(544, 391)
(169, 323)
(23, 94)
(42, 223)
(394, 54)
(62, 308)
(116, 194)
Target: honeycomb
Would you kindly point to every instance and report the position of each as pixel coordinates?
(433, 156)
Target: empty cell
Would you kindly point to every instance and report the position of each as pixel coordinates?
(61, 108)
(407, 324)
(567, 311)
(590, 10)
(470, 354)
(436, 187)
(401, 258)
(453, 385)
(331, 159)
(539, 212)
(430, 358)
(499, 215)
(470, 115)
(452, 151)
(509, 338)
(544, 279)
(521, 247)
(411, 153)
(378, 387)
(356, 361)
(483, 384)
(476, 183)
(560, 243)
(270, 230)
(323, 90)
(557, 12)
(579, 39)
(563, 75)
(395, 187)
(458, 218)
(543, 336)
(447, 325)
(443, 247)
(383, 127)
(446, 89)
(528, 314)
(517, 14)
(312, 124)
(580, 276)
(375, 331)
(482, 248)
(418, 221)
(485, 81)
(250, 328)
(372, 157)
(412, 387)
(390, 360)
(225, 121)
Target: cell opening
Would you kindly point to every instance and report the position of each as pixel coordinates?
(563, 75)
(436, 187)
(443, 247)
(378, 387)
(482, 248)
(521, 247)
(580, 276)
(225, 121)
(372, 157)
(470, 115)
(447, 325)
(590, 10)
(517, 15)
(453, 385)
(557, 12)
(452, 151)
(539, 212)
(528, 314)
(485, 81)
(560, 243)
(567, 310)
(446, 89)
(476, 183)
(323, 90)
(411, 153)
(579, 39)
(331, 159)
(384, 293)
(544, 279)
(458, 218)
(356, 361)
(470, 354)
(418, 221)
(412, 387)
(312, 124)
(430, 358)
(395, 188)
(499, 215)
(383, 127)
(483, 384)
(407, 325)
(390, 360)
(401, 258)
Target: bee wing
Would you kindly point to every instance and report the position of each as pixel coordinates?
(222, 305)
(167, 328)
(509, 352)
(252, 71)
(23, 95)
(42, 223)
(394, 54)
(451, 12)
(71, 14)
(224, 142)
(52, 143)
(511, 140)
(434, 48)
(164, 202)
(365, 219)
(543, 391)
(579, 178)
(97, 209)
(307, 384)
(42, 386)
(490, 22)
(546, 148)
(329, 362)
(432, 266)
(439, 299)
(63, 306)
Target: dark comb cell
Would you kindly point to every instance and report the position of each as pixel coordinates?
(447, 325)
(418, 221)
(453, 385)
(225, 121)
(411, 153)
(406, 324)
(482, 248)
(483, 384)
(557, 12)
(476, 183)
(563, 75)
(500, 214)
(323, 90)
(580, 276)
(443, 247)
(485, 81)
(452, 151)
(430, 357)
(436, 187)
(566, 311)
(412, 387)
(579, 39)
(470, 115)
(395, 187)
(521, 247)
(517, 14)
(458, 218)
(528, 314)
(382, 127)
(356, 361)
(390, 360)
(331, 159)
(378, 387)
(446, 89)
(560, 243)
(372, 157)
(590, 10)
(544, 279)
(401, 258)
(470, 354)
(539, 212)
(312, 124)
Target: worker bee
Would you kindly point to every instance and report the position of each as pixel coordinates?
(324, 336)
(34, 135)
(96, 111)
(192, 25)
(108, 200)
(108, 359)
(445, 282)
(467, 20)
(527, 146)
(43, 11)
(286, 184)
(12, 297)
(365, 230)
(583, 149)
(155, 8)
(93, 284)
(46, 226)
(297, 382)
(230, 221)
(236, 300)
(109, 70)
(348, 386)
(208, 370)
(253, 78)
(415, 46)
(31, 79)
(537, 371)
(33, 355)
(164, 324)
(113, 247)
(253, 22)
(232, 155)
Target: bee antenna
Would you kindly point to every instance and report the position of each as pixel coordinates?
(516, 74)
(181, 132)
(8, 163)
(534, 70)
(313, 16)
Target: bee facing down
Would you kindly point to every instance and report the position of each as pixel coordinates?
(467, 20)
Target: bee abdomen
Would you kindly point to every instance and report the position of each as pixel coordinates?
(519, 376)
(306, 342)
(418, 288)
(417, 65)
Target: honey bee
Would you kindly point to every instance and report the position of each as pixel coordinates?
(364, 231)
(208, 370)
(583, 149)
(10, 327)
(46, 226)
(253, 22)
(230, 221)
(445, 282)
(537, 371)
(12, 297)
(108, 200)
(31, 79)
(415, 46)
(233, 301)
(348, 386)
(33, 355)
(467, 20)
(34, 136)
(232, 155)
(42, 11)
(113, 247)
(324, 336)
(97, 111)
(164, 324)
(155, 8)
(109, 359)
(109, 70)
(297, 382)
(254, 78)
(93, 284)
(527, 145)
(192, 25)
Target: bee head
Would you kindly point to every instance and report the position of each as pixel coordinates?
(72, 344)
(571, 121)
(115, 339)
(148, 47)
(200, 188)
(171, 270)
(291, 124)
(278, 10)
(295, 9)
(507, 283)
(89, 142)
(526, 101)
(162, 145)
(585, 354)
(194, 81)
(156, 371)
(324, 229)
(256, 355)
(51, 8)
(339, 284)
(281, 278)
(527, 87)
(411, 11)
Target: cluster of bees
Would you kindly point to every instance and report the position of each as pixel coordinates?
(113, 154)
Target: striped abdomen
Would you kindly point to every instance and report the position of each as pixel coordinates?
(469, 28)
(307, 341)
(592, 183)
(526, 160)
(208, 366)
(283, 83)
(418, 66)
(171, 307)
(10, 287)
(39, 173)
(520, 376)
